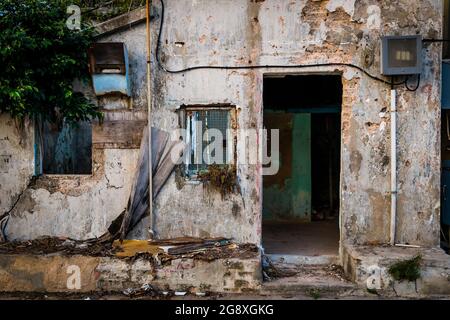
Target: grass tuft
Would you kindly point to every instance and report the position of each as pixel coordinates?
(406, 270)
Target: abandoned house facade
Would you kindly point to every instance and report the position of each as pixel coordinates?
(318, 82)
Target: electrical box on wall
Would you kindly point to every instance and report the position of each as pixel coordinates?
(401, 55)
(108, 65)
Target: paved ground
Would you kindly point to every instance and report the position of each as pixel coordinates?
(358, 295)
(305, 239)
(118, 296)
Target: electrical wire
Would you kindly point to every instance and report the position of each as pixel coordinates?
(435, 40)
(417, 85)
(250, 67)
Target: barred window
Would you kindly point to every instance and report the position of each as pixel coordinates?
(208, 134)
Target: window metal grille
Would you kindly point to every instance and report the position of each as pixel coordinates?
(198, 124)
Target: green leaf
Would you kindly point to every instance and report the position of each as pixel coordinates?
(41, 58)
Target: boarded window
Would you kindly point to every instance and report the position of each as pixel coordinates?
(208, 135)
(66, 149)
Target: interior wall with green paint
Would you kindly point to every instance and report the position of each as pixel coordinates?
(287, 195)
(301, 166)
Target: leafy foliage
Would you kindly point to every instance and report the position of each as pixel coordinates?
(314, 293)
(40, 58)
(406, 270)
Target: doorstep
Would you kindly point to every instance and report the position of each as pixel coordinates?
(303, 260)
(369, 265)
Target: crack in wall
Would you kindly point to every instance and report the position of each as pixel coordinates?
(4, 218)
(111, 186)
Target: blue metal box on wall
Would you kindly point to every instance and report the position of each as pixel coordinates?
(109, 68)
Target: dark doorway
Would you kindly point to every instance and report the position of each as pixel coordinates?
(445, 135)
(301, 201)
(445, 180)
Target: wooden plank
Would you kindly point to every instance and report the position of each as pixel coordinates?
(130, 248)
(121, 134)
(120, 22)
(181, 249)
(182, 240)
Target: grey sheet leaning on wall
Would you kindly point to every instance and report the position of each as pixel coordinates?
(165, 155)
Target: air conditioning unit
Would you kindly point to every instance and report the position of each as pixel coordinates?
(401, 55)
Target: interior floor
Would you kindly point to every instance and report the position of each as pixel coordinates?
(303, 239)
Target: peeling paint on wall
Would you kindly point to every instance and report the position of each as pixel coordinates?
(266, 32)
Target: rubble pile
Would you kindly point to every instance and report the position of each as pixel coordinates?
(185, 247)
(163, 250)
(48, 245)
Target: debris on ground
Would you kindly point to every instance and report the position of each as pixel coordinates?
(204, 244)
(270, 271)
(336, 271)
(146, 290)
(47, 245)
(163, 251)
(131, 248)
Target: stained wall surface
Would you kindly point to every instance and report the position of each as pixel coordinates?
(270, 32)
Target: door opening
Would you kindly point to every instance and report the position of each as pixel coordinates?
(301, 202)
(445, 180)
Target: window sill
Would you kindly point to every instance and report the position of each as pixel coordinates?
(192, 181)
(66, 176)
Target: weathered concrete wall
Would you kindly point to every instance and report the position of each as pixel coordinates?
(284, 32)
(59, 273)
(302, 32)
(368, 266)
(16, 160)
(79, 207)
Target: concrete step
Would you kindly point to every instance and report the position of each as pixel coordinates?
(369, 265)
(303, 260)
(310, 280)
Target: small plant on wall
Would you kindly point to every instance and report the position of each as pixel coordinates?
(220, 178)
(406, 270)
